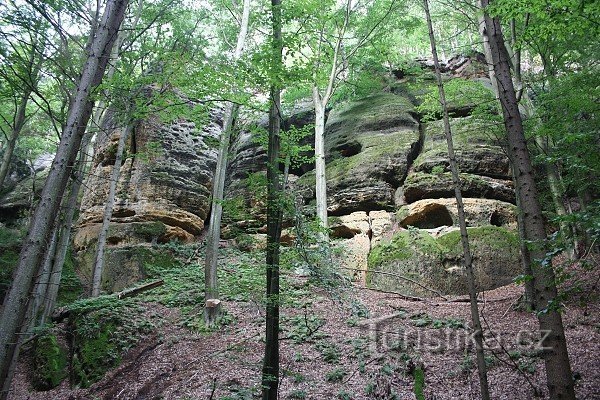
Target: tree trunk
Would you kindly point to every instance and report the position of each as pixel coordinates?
(15, 132)
(525, 256)
(270, 371)
(211, 291)
(320, 177)
(41, 285)
(558, 368)
(34, 245)
(467, 259)
(108, 210)
(65, 231)
(557, 192)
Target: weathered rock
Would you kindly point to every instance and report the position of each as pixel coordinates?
(356, 233)
(369, 145)
(162, 194)
(167, 177)
(435, 263)
(23, 187)
(124, 265)
(420, 185)
(477, 150)
(434, 213)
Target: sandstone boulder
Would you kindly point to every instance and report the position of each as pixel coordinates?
(166, 177)
(433, 265)
(435, 213)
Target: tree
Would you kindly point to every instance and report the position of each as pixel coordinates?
(270, 371)
(334, 59)
(108, 210)
(211, 308)
(558, 368)
(467, 259)
(21, 73)
(64, 233)
(35, 244)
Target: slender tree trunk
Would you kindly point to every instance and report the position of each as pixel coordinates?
(41, 285)
(320, 102)
(525, 256)
(558, 367)
(270, 371)
(556, 192)
(108, 210)
(34, 245)
(320, 178)
(100, 109)
(65, 231)
(211, 291)
(15, 132)
(467, 259)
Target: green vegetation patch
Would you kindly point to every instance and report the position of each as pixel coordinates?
(403, 246)
(10, 246)
(50, 361)
(70, 288)
(494, 238)
(102, 329)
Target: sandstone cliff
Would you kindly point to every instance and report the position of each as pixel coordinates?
(389, 190)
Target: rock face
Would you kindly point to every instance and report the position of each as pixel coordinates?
(424, 265)
(23, 187)
(390, 196)
(369, 145)
(163, 192)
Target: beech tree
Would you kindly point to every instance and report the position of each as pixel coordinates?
(467, 258)
(333, 57)
(545, 295)
(270, 370)
(36, 242)
(212, 304)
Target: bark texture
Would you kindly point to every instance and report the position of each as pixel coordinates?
(270, 371)
(36, 242)
(558, 369)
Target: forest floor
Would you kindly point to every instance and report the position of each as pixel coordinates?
(347, 343)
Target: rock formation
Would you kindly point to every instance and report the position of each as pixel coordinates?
(390, 195)
(162, 195)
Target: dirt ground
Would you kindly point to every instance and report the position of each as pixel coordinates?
(330, 350)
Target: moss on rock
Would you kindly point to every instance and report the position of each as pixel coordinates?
(10, 246)
(101, 330)
(126, 265)
(422, 185)
(50, 362)
(436, 262)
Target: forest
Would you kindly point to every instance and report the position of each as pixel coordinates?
(299, 199)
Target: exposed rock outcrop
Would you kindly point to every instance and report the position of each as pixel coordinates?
(390, 194)
(432, 265)
(163, 192)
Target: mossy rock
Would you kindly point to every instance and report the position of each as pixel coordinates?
(369, 145)
(478, 149)
(94, 355)
(102, 329)
(71, 287)
(422, 185)
(10, 246)
(436, 263)
(50, 362)
(124, 266)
